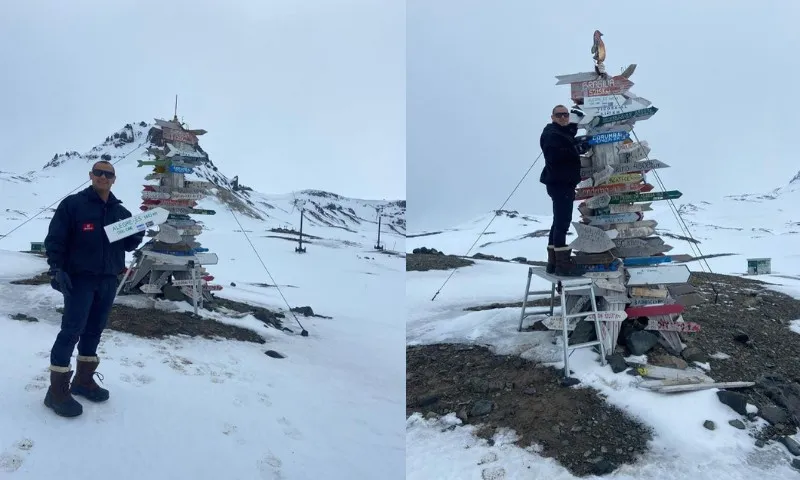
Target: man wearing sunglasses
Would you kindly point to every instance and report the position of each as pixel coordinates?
(84, 267)
(561, 174)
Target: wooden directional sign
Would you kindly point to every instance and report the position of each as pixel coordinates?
(625, 178)
(177, 150)
(593, 258)
(604, 175)
(180, 169)
(643, 301)
(136, 223)
(170, 203)
(637, 224)
(576, 77)
(640, 152)
(643, 166)
(641, 114)
(667, 325)
(603, 102)
(659, 292)
(597, 201)
(197, 184)
(588, 192)
(612, 285)
(634, 261)
(184, 210)
(645, 197)
(602, 86)
(590, 239)
(650, 310)
(615, 218)
(634, 232)
(155, 195)
(174, 135)
(607, 137)
(663, 274)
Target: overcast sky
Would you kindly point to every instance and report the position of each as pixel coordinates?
(481, 86)
(294, 94)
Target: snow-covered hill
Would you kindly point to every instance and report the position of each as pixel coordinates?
(736, 227)
(192, 407)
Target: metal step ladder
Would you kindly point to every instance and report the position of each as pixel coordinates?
(566, 286)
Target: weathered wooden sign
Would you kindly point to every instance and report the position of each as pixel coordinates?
(148, 195)
(650, 310)
(576, 77)
(180, 169)
(663, 274)
(628, 155)
(607, 274)
(634, 232)
(642, 301)
(634, 261)
(672, 326)
(593, 258)
(624, 106)
(643, 166)
(645, 197)
(184, 210)
(625, 177)
(174, 135)
(174, 149)
(599, 87)
(614, 218)
(590, 239)
(603, 101)
(658, 292)
(614, 285)
(588, 192)
(597, 201)
(170, 203)
(641, 114)
(603, 176)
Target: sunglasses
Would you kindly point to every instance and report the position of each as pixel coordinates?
(561, 114)
(100, 173)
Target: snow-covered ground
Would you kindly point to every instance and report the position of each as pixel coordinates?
(216, 409)
(682, 448)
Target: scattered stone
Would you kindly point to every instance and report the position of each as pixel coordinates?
(694, 354)
(737, 424)
(668, 361)
(273, 354)
(529, 391)
(481, 408)
(640, 342)
(760, 443)
(735, 400)
(603, 467)
(773, 414)
(24, 318)
(617, 362)
(741, 337)
(790, 444)
(796, 463)
(305, 311)
(709, 425)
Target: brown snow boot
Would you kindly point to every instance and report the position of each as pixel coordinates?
(565, 267)
(551, 259)
(58, 397)
(84, 384)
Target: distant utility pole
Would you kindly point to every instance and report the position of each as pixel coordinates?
(379, 212)
(300, 248)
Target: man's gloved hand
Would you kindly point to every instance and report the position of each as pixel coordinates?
(577, 111)
(583, 147)
(60, 281)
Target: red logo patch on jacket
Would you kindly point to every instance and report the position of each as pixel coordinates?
(88, 227)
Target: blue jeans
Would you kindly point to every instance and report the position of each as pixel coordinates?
(86, 310)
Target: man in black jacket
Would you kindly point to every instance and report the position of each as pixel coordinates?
(84, 267)
(561, 174)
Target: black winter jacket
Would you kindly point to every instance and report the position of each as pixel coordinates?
(562, 160)
(76, 241)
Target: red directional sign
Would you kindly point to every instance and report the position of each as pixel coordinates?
(602, 86)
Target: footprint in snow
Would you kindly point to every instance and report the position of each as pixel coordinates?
(493, 473)
(11, 458)
(269, 466)
(39, 382)
(289, 430)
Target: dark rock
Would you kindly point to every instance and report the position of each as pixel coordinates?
(709, 425)
(305, 311)
(641, 341)
(737, 424)
(529, 391)
(667, 361)
(520, 259)
(760, 443)
(796, 463)
(791, 444)
(773, 414)
(480, 408)
(617, 363)
(569, 381)
(741, 337)
(173, 293)
(273, 354)
(584, 332)
(736, 401)
(603, 467)
(693, 354)
(24, 318)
